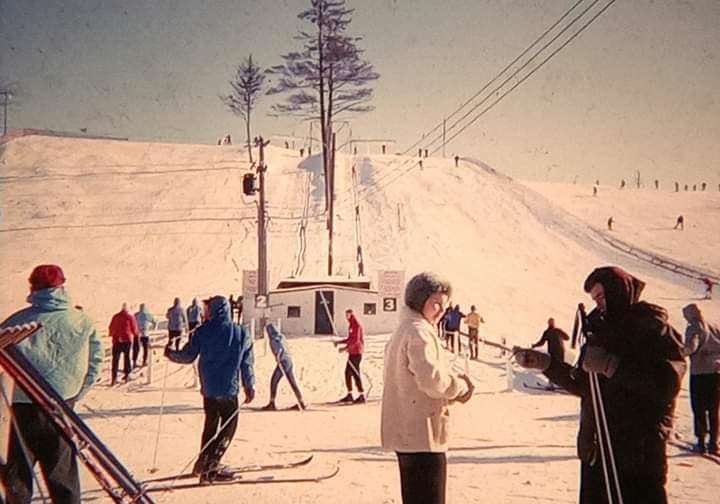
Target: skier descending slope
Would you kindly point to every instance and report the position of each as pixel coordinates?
(631, 369)
(225, 352)
(68, 353)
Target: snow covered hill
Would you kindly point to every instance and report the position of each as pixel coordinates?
(142, 222)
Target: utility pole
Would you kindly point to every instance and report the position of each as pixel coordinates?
(262, 235)
(331, 205)
(6, 99)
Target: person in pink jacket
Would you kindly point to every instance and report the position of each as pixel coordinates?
(354, 346)
(418, 387)
(123, 331)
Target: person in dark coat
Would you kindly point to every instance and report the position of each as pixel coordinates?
(452, 328)
(225, 358)
(554, 337)
(638, 358)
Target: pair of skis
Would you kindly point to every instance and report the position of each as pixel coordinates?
(169, 483)
(109, 472)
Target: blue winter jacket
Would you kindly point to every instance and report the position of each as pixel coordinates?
(277, 346)
(67, 350)
(145, 321)
(225, 351)
(177, 321)
(452, 319)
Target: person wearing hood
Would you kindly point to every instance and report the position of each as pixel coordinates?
(354, 346)
(145, 322)
(226, 360)
(284, 367)
(67, 351)
(702, 344)
(194, 315)
(419, 386)
(177, 323)
(124, 332)
(637, 356)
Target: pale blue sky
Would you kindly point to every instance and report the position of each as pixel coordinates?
(637, 90)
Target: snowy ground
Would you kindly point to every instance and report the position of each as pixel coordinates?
(146, 222)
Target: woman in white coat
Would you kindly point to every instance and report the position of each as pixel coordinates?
(419, 386)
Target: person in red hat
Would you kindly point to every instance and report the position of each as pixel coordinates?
(68, 353)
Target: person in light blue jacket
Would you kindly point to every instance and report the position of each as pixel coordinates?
(145, 322)
(68, 353)
(177, 323)
(225, 354)
(284, 368)
(194, 315)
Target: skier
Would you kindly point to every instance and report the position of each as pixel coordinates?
(194, 315)
(452, 327)
(284, 367)
(702, 344)
(419, 386)
(457, 160)
(177, 322)
(610, 222)
(68, 352)
(554, 337)
(680, 223)
(145, 322)
(225, 352)
(708, 287)
(354, 346)
(473, 321)
(123, 331)
(637, 357)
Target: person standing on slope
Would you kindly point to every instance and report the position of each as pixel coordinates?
(68, 353)
(145, 322)
(452, 328)
(702, 344)
(177, 323)
(194, 315)
(554, 337)
(419, 386)
(123, 331)
(638, 359)
(225, 355)
(284, 367)
(354, 346)
(473, 321)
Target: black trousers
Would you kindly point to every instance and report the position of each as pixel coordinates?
(705, 402)
(473, 342)
(645, 484)
(119, 349)
(141, 342)
(174, 336)
(45, 445)
(352, 372)
(422, 477)
(218, 411)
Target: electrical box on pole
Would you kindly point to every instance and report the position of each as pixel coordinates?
(249, 184)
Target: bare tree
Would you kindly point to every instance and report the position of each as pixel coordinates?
(247, 85)
(327, 77)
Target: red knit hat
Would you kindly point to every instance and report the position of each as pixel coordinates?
(46, 276)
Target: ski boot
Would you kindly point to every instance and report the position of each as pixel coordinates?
(700, 446)
(269, 406)
(359, 399)
(347, 399)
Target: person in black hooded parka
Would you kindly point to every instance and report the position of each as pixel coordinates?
(638, 357)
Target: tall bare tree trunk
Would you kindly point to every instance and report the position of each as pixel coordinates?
(247, 130)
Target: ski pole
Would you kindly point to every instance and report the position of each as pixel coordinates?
(154, 468)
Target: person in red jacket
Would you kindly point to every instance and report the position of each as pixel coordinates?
(354, 346)
(123, 331)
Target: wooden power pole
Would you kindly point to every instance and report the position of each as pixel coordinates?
(262, 221)
(331, 204)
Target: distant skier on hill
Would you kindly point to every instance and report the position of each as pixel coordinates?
(177, 323)
(610, 223)
(354, 346)
(708, 287)
(680, 223)
(284, 368)
(225, 360)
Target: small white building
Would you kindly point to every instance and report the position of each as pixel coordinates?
(302, 306)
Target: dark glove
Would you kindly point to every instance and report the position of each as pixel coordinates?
(167, 351)
(531, 359)
(249, 395)
(597, 360)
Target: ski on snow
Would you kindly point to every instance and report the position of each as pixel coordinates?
(237, 470)
(688, 447)
(241, 480)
